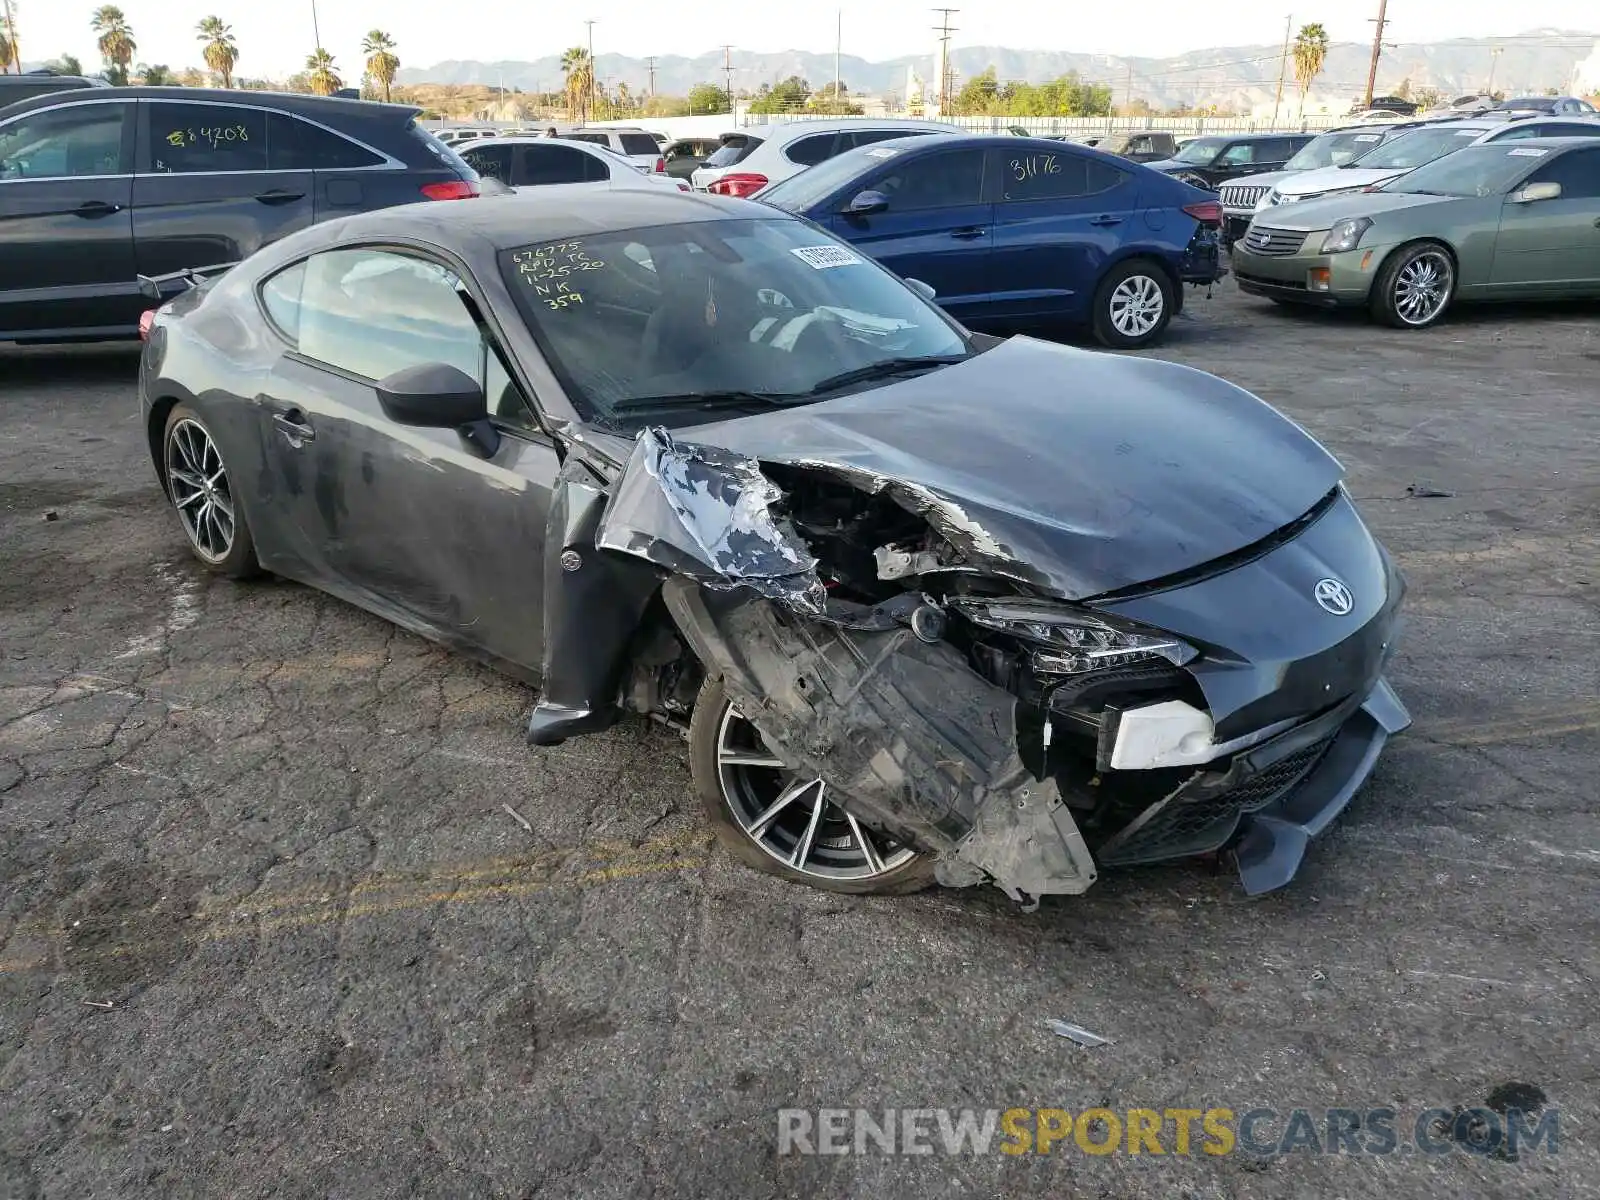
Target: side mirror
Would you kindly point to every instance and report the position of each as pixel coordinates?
(866, 203)
(439, 396)
(1534, 192)
(925, 290)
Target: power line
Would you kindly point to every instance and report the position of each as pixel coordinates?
(1377, 51)
(944, 29)
(650, 63)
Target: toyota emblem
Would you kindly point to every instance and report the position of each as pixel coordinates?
(1334, 597)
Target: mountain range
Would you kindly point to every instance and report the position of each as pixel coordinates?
(1233, 77)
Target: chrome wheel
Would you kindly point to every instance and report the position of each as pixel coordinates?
(1137, 306)
(790, 816)
(198, 484)
(1422, 287)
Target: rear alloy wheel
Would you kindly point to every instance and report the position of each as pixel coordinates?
(784, 822)
(1415, 286)
(202, 495)
(1132, 306)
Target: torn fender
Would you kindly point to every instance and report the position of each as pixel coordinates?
(706, 513)
(912, 740)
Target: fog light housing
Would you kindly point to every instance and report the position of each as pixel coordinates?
(1320, 279)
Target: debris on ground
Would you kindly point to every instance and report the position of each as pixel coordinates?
(1076, 1033)
(1426, 491)
(518, 818)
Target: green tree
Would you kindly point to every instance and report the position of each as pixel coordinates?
(1310, 56)
(10, 49)
(382, 62)
(322, 73)
(219, 48)
(706, 98)
(1428, 98)
(825, 101)
(579, 72)
(155, 75)
(67, 64)
(978, 94)
(789, 95)
(116, 42)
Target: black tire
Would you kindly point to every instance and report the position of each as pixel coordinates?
(238, 559)
(1158, 290)
(704, 732)
(1388, 301)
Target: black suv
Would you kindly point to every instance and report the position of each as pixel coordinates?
(99, 186)
(14, 89)
(1211, 161)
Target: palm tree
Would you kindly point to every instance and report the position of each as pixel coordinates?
(10, 52)
(155, 75)
(67, 64)
(1310, 53)
(220, 51)
(323, 73)
(116, 41)
(575, 65)
(382, 63)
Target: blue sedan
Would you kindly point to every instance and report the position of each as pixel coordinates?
(1009, 229)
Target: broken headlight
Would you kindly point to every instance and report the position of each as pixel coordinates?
(1071, 641)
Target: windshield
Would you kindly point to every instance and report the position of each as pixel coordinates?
(800, 192)
(1417, 147)
(1333, 150)
(1527, 104)
(734, 150)
(1201, 150)
(665, 323)
(1476, 171)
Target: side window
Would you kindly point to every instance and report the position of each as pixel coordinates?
(1578, 173)
(491, 162)
(296, 145)
(372, 312)
(546, 162)
(596, 171)
(594, 139)
(1042, 175)
(1521, 133)
(189, 138)
(84, 139)
(809, 151)
(1240, 154)
(639, 143)
(280, 296)
(1575, 130)
(851, 138)
(939, 180)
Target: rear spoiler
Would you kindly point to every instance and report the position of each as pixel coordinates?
(153, 287)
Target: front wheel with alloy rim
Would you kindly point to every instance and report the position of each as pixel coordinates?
(1415, 287)
(786, 822)
(201, 491)
(1132, 306)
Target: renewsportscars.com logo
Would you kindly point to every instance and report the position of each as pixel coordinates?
(1179, 1132)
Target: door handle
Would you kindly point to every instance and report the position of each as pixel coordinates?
(279, 196)
(971, 233)
(295, 427)
(1106, 219)
(90, 209)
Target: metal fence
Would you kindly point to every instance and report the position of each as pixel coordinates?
(1089, 126)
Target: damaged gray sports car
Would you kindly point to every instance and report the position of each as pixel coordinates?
(929, 605)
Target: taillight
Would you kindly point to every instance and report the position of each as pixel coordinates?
(738, 184)
(661, 166)
(1207, 212)
(147, 321)
(450, 189)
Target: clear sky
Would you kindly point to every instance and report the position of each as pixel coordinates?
(275, 35)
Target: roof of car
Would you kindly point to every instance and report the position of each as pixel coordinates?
(327, 107)
(828, 125)
(552, 214)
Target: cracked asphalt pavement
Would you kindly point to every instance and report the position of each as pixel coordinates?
(268, 928)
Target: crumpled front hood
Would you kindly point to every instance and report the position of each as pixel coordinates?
(1080, 472)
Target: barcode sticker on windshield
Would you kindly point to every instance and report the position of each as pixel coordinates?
(1369, 137)
(882, 152)
(1528, 152)
(820, 258)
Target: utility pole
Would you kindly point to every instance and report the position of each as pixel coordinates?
(315, 32)
(1494, 59)
(1377, 51)
(727, 75)
(1283, 68)
(591, 116)
(838, 41)
(944, 29)
(1128, 103)
(651, 64)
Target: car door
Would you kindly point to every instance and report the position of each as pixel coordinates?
(410, 522)
(937, 226)
(204, 189)
(541, 163)
(349, 177)
(1059, 218)
(66, 232)
(1552, 247)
